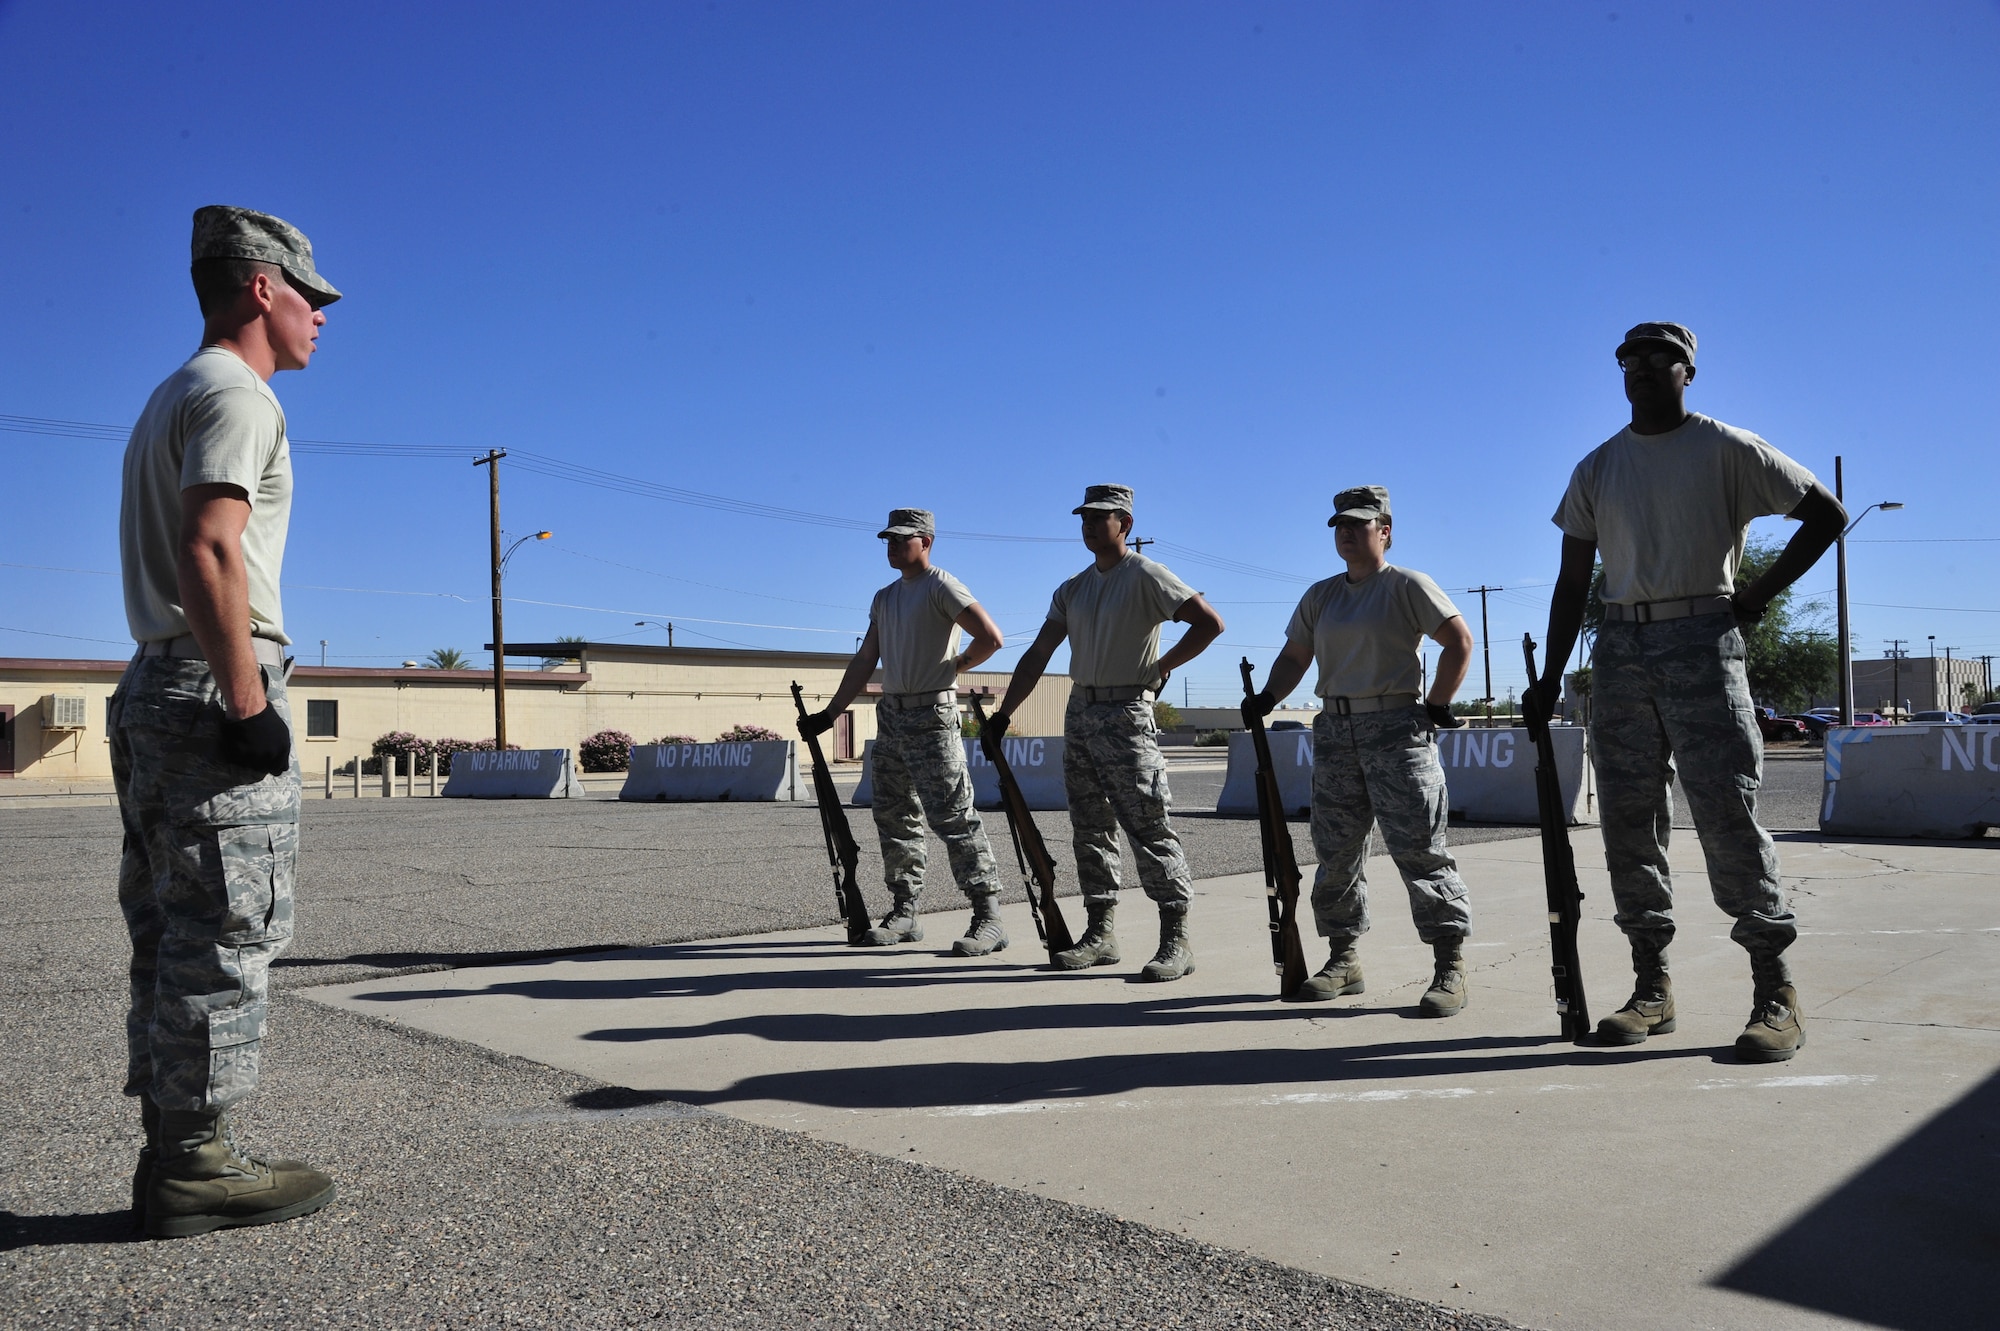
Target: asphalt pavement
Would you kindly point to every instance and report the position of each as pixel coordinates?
(481, 1190)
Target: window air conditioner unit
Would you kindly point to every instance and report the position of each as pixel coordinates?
(63, 711)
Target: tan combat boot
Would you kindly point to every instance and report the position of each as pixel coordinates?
(898, 926)
(1176, 955)
(1776, 1031)
(984, 934)
(1098, 946)
(1650, 1009)
(201, 1182)
(1341, 975)
(1447, 995)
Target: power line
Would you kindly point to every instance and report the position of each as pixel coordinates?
(555, 468)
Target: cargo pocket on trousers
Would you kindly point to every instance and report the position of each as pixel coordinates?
(252, 875)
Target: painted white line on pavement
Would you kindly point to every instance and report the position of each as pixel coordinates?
(1367, 1097)
(1785, 1083)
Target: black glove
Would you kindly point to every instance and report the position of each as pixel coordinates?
(1258, 705)
(815, 723)
(994, 730)
(262, 743)
(1543, 695)
(1442, 716)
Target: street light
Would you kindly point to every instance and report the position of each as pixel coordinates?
(1840, 577)
(668, 626)
(499, 637)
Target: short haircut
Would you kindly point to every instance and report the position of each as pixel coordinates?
(218, 282)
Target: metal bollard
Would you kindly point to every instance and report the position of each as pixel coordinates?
(434, 774)
(388, 775)
(357, 776)
(410, 777)
(327, 785)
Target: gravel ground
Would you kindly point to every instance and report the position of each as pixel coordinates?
(478, 1190)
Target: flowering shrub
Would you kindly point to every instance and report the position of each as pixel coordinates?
(606, 751)
(401, 747)
(676, 739)
(741, 734)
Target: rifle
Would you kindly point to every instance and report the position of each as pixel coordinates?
(1558, 865)
(841, 850)
(1038, 867)
(1281, 864)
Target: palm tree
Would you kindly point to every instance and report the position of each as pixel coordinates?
(447, 658)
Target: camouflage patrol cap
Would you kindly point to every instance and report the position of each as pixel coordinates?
(222, 232)
(1116, 498)
(910, 522)
(1674, 335)
(1362, 502)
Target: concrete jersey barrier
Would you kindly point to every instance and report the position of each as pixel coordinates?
(1035, 759)
(766, 769)
(1923, 780)
(1489, 774)
(513, 774)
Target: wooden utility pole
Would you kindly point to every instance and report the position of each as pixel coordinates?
(1486, 648)
(492, 464)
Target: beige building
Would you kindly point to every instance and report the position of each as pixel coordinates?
(1920, 683)
(52, 712)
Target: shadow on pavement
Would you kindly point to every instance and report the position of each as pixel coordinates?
(1911, 1242)
(55, 1231)
(942, 1085)
(877, 1027)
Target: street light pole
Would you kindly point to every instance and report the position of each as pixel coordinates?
(668, 626)
(1845, 654)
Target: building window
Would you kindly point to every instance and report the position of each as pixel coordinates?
(322, 718)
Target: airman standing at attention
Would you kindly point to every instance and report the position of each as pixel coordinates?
(1112, 769)
(201, 733)
(1668, 501)
(1373, 759)
(919, 756)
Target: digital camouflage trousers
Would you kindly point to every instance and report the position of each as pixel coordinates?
(1667, 695)
(1382, 767)
(205, 884)
(919, 774)
(1115, 777)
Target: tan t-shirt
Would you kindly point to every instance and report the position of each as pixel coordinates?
(212, 422)
(1113, 621)
(1670, 512)
(1365, 634)
(915, 626)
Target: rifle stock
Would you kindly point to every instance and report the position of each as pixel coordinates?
(1565, 896)
(1281, 865)
(842, 851)
(1038, 867)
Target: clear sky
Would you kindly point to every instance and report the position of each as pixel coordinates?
(832, 258)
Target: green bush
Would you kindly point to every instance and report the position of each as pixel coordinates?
(745, 734)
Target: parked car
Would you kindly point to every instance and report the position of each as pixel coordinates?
(1287, 725)
(1987, 709)
(1775, 727)
(1870, 719)
(1983, 719)
(1815, 724)
(1947, 718)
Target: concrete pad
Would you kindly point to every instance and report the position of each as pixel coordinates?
(1477, 1162)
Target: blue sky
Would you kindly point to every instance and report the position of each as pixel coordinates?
(832, 258)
